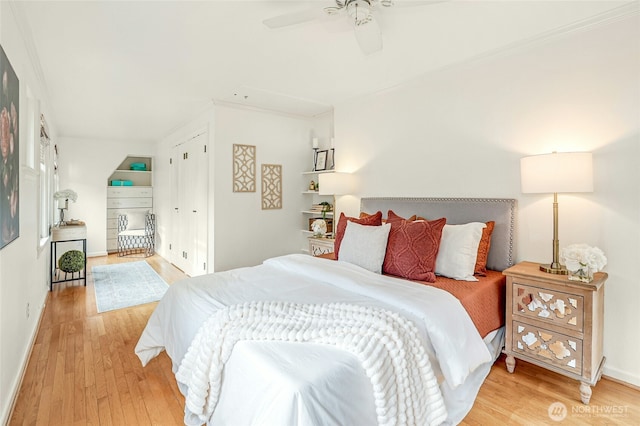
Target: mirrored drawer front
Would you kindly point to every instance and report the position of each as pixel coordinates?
(550, 306)
(318, 246)
(550, 347)
(129, 191)
(129, 202)
(112, 223)
(112, 244)
(112, 233)
(114, 213)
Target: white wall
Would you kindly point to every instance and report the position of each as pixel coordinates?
(85, 165)
(240, 232)
(461, 132)
(23, 266)
(244, 233)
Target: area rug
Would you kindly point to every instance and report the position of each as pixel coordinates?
(126, 284)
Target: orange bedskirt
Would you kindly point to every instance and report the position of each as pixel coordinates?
(484, 300)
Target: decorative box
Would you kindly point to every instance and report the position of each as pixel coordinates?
(141, 167)
(118, 182)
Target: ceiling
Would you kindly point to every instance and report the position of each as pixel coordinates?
(136, 70)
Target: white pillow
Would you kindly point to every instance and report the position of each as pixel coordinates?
(365, 246)
(136, 220)
(459, 250)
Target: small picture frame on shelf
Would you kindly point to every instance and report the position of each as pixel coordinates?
(321, 160)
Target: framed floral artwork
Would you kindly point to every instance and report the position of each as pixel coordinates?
(9, 147)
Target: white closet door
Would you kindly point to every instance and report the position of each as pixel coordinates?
(177, 195)
(199, 185)
(190, 202)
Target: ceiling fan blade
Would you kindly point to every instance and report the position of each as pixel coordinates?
(415, 3)
(295, 18)
(369, 37)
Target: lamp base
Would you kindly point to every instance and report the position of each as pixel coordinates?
(552, 269)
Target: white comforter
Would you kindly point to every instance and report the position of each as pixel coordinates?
(387, 345)
(282, 383)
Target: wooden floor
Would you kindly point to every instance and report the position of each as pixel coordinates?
(83, 371)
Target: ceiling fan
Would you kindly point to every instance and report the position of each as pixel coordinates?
(358, 12)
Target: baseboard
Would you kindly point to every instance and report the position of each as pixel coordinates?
(622, 377)
(6, 416)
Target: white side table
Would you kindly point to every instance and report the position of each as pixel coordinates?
(66, 234)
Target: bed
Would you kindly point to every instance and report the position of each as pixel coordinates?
(269, 375)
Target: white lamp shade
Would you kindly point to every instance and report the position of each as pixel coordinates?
(557, 172)
(335, 183)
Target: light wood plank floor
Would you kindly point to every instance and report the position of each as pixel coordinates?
(83, 371)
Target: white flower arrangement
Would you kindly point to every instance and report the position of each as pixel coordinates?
(580, 256)
(319, 228)
(66, 194)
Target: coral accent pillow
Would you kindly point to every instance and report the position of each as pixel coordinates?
(483, 250)
(391, 216)
(371, 220)
(412, 248)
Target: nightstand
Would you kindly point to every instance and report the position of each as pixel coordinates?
(318, 246)
(555, 323)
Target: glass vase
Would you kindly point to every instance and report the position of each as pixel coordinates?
(584, 274)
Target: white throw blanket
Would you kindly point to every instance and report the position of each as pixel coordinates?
(388, 346)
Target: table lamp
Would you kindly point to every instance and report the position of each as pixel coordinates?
(336, 183)
(554, 173)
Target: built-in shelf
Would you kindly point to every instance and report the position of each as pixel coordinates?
(137, 177)
(135, 172)
(310, 233)
(318, 172)
(311, 197)
(135, 198)
(327, 214)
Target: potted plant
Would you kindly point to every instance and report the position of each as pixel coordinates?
(326, 207)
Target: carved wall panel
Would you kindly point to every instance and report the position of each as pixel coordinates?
(244, 168)
(271, 186)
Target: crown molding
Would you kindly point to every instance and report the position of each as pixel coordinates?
(230, 104)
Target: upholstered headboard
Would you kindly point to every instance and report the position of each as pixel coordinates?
(459, 211)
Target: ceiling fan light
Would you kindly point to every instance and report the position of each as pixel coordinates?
(359, 11)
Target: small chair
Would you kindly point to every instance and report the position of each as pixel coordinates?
(136, 234)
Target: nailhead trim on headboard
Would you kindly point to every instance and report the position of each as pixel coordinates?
(458, 211)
